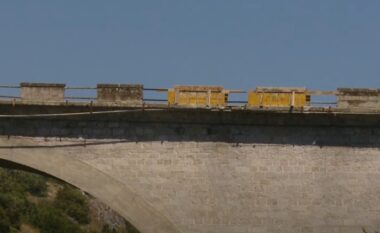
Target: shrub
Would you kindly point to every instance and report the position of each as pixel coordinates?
(20, 182)
(74, 204)
(107, 229)
(5, 223)
(51, 220)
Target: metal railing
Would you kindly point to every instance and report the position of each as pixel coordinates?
(154, 95)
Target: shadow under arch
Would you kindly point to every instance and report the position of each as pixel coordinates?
(103, 187)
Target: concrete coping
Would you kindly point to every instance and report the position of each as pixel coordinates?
(358, 92)
(42, 85)
(280, 89)
(106, 85)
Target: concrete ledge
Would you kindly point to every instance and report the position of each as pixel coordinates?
(358, 92)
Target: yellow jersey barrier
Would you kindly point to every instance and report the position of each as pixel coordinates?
(278, 97)
(198, 96)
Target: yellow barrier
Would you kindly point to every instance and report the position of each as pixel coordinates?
(278, 97)
(198, 96)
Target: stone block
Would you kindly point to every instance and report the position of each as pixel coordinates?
(358, 98)
(42, 91)
(120, 93)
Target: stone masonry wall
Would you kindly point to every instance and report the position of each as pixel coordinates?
(241, 127)
(218, 187)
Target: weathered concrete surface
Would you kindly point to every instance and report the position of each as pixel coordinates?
(358, 98)
(213, 172)
(217, 187)
(200, 126)
(116, 93)
(43, 91)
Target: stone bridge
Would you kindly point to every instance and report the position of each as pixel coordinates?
(171, 171)
(178, 170)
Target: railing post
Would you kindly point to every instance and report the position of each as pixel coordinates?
(293, 99)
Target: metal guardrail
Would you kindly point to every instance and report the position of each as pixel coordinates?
(9, 86)
(236, 102)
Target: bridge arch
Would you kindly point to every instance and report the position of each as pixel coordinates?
(111, 192)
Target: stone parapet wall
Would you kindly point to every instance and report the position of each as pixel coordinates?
(120, 93)
(358, 98)
(42, 91)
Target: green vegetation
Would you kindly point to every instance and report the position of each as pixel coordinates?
(13, 202)
(51, 220)
(25, 199)
(74, 204)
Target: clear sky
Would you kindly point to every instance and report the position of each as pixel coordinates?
(239, 44)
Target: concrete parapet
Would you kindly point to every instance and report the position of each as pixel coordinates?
(358, 98)
(120, 93)
(42, 91)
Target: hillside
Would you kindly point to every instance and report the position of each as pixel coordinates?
(32, 203)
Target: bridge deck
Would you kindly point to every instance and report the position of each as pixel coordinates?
(35, 107)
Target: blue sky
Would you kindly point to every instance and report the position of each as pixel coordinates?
(239, 44)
